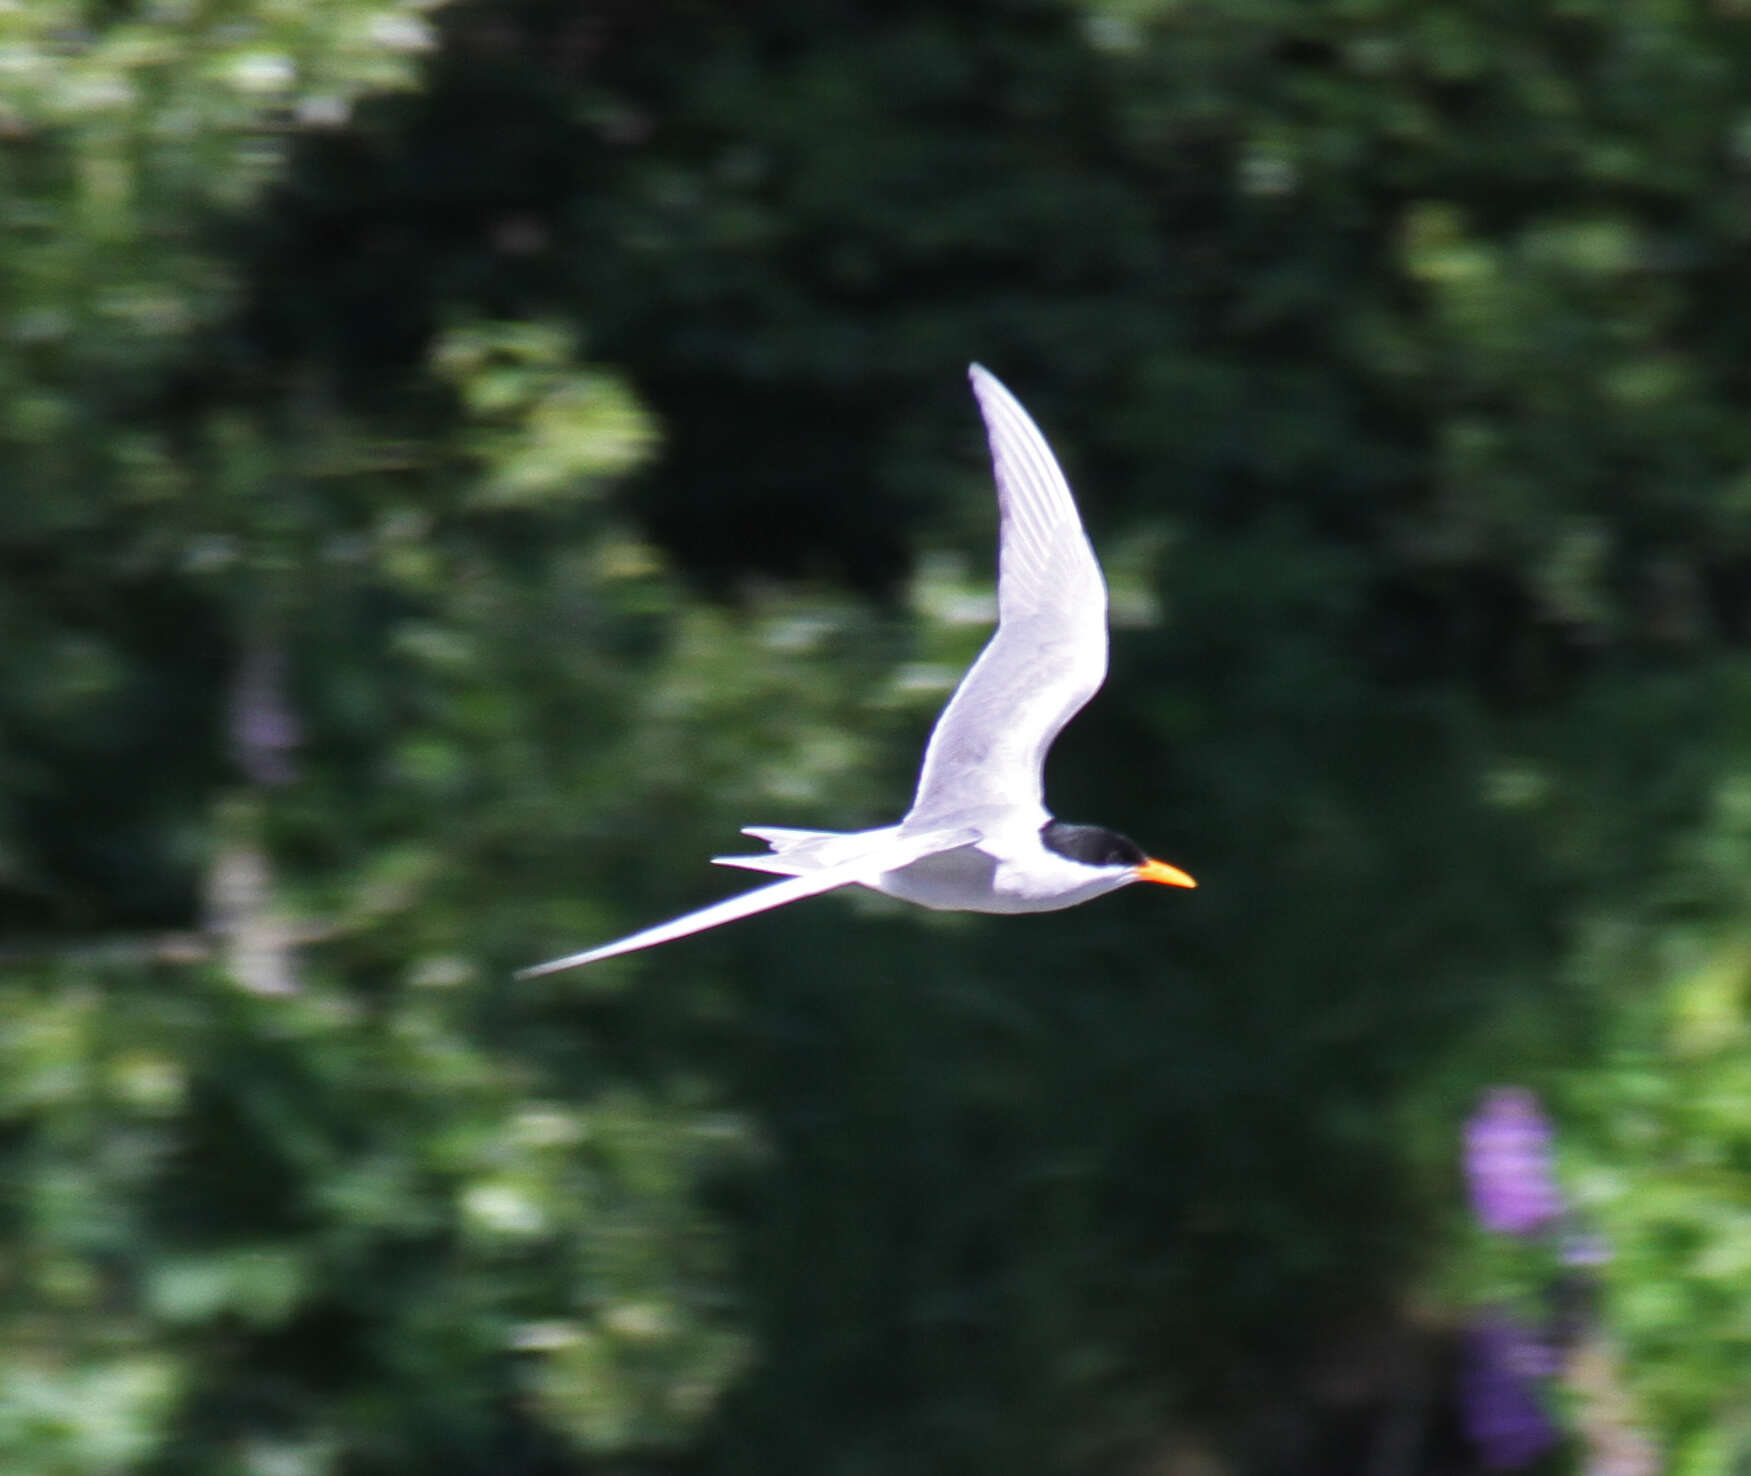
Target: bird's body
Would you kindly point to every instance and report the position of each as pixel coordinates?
(992, 875)
(978, 837)
(1005, 869)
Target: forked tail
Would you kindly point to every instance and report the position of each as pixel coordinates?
(794, 852)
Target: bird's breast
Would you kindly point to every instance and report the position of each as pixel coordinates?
(969, 879)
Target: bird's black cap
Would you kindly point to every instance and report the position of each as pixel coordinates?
(1092, 845)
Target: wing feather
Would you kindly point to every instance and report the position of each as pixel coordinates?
(1049, 653)
(891, 855)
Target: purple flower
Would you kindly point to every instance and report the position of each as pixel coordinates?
(1508, 1163)
(1498, 1401)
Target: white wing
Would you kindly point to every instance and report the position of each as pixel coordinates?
(891, 855)
(1049, 654)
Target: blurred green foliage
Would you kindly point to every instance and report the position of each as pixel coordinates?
(457, 465)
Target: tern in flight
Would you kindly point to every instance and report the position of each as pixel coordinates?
(978, 837)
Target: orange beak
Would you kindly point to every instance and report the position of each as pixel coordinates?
(1160, 871)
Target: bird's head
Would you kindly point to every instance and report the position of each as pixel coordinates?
(1095, 845)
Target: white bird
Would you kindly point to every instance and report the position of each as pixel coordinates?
(978, 837)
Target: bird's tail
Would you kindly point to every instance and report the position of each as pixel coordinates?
(795, 852)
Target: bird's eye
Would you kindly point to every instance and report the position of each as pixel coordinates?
(1121, 850)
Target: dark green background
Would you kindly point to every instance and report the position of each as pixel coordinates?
(553, 417)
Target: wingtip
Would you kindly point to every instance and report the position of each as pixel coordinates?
(554, 966)
(987, 387)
